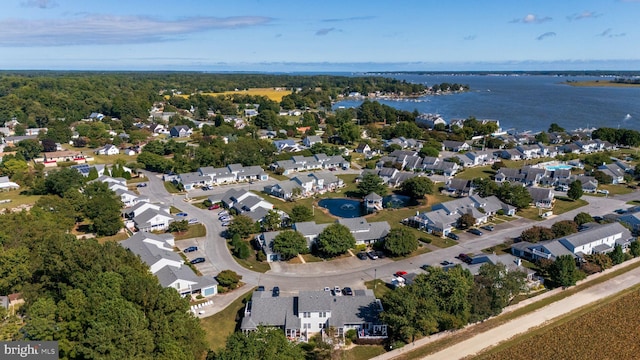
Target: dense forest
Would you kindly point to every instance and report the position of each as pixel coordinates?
(36, 98)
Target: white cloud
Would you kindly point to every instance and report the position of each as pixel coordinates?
(42, 4)
(546, 35)
(532, 19)
(583, 15)
(106, 29)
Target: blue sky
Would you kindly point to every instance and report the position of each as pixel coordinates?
(328, 35)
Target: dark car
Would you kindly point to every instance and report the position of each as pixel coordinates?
(260, 288)
(446, 263)
(488, 227)
(373, 255)
(362, 255)
(425, 267)
(276, 291)
(190, 249)
(465, 258)
(475, 232)
(347, 291)
(453, 236)
(197, 260)
(142, 185)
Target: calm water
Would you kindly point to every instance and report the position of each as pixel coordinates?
(349, 208)
(527, 102)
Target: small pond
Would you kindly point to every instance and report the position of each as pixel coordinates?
(349, 208)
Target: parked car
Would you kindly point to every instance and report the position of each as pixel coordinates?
(337, 291)
(475, 231)
(214, 206)
(489, 227)
(224, 218)
(425, 267)
(193, 221)
(182, 214)
(142, 185)
(446, 263)
(226, 223)
(400, 273)
(453, 236)
(326, 288)
(223, 213)
(205, 188)
(276, 291)
(372, 255)
(381, 254)
(362, 255)
(260, 288)
(620, 211)
(465, 258)
(347, 291)
(197, 260)
(190, 249)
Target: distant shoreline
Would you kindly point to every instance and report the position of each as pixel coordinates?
(598, 83)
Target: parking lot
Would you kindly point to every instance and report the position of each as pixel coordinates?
(206, 268)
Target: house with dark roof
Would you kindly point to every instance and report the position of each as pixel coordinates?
(312, 312)
(459, 187)
(157, 252)
(541, 197)
(616, 170)
(180, 131)
(455, 146)
(365, 232)
(309, 141)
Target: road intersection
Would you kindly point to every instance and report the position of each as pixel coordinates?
(351, 271)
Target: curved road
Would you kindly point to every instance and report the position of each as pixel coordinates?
(352, 271)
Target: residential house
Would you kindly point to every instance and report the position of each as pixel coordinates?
(541, 197)
(14, 140)
(511, 154)
(363, 148)
(265, 242)
(180, 131)
(286, 145)
(616, 170)
(315, 162)
(480, 158)
(529, 151)
(570, 148)
(455, 146)
(309, 229)
(366, 232)
(52, 158)
(145, 216)
(430, 120)
(373, 202)
(108, 149)
(459, 187)
(244, 203)
(600, 239)
(85, 169)
(310, 140)
(157, 252)
(403, 143)
(313, 312)
(632, 220)
(511, 263)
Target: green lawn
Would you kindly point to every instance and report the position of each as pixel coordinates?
(276, 176)
(172, 188)
(252, 264)
(499, 249)
(117, 237)
(17, 199)
(363, 352)
(615, 189)
(422, 249)
(561, 206)
(380, 288)
(111, 159)
(138, 179)
(195, 231)
(174, 210)
(218, 327)
(476, 172)
(320, 216)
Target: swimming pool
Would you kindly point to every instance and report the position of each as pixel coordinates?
(558, 167)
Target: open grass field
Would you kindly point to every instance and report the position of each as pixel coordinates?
(476, 172)
(271, 93)
(363, 352)
(609, 320)
(195, 231)
(117, 237)
(596, 83)
(111, 159)
(561, 206)
(218, 327)
(17, 199)
(379, 289)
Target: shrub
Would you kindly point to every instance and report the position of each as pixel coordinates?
(260, 256)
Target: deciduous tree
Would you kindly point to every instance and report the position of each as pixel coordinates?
(417, 187)
(289, 243)
(400, 242)
(372, 183)
(582, 218)
(300, 213)
(575, 190)
(334, 240)
(241, 225)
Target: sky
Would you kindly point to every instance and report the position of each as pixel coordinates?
(320, 36)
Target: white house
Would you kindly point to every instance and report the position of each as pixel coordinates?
(310, 140)
(108, 149)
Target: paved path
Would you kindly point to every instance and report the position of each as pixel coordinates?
(522, 324)
(350, 271)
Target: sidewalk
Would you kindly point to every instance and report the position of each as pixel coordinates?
(220, 302)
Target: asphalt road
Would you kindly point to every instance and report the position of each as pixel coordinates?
(351, 271)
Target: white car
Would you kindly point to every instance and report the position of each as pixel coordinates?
(225, 219)
(337, 291)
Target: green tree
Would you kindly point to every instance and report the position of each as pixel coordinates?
(602, 177)
(429, 151)
(582, 218)
(542, 137)
(58, 182)
(466, 221)
(228, 279)
(372, 183)
(241, 225)
(290, 243)
(29, 148)
(555, 128)
(14, 269)
(271, 221)
(564, 271)
(634, 248)
(575, 190)
(536, 234)
(485, 187)
(617, 255)
(515, 195)
(349, 132)
(301, 213)
(498, 286)
(179, 226)
(400, 241)
(564, 228)
(417, 187)
(335, 240)
(264, 343)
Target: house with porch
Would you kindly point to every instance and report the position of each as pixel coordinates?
(309, 141)
(455, 146)
(373, 202)
(541, 197)
(311, 312)
(108, 149)
(180, 131)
